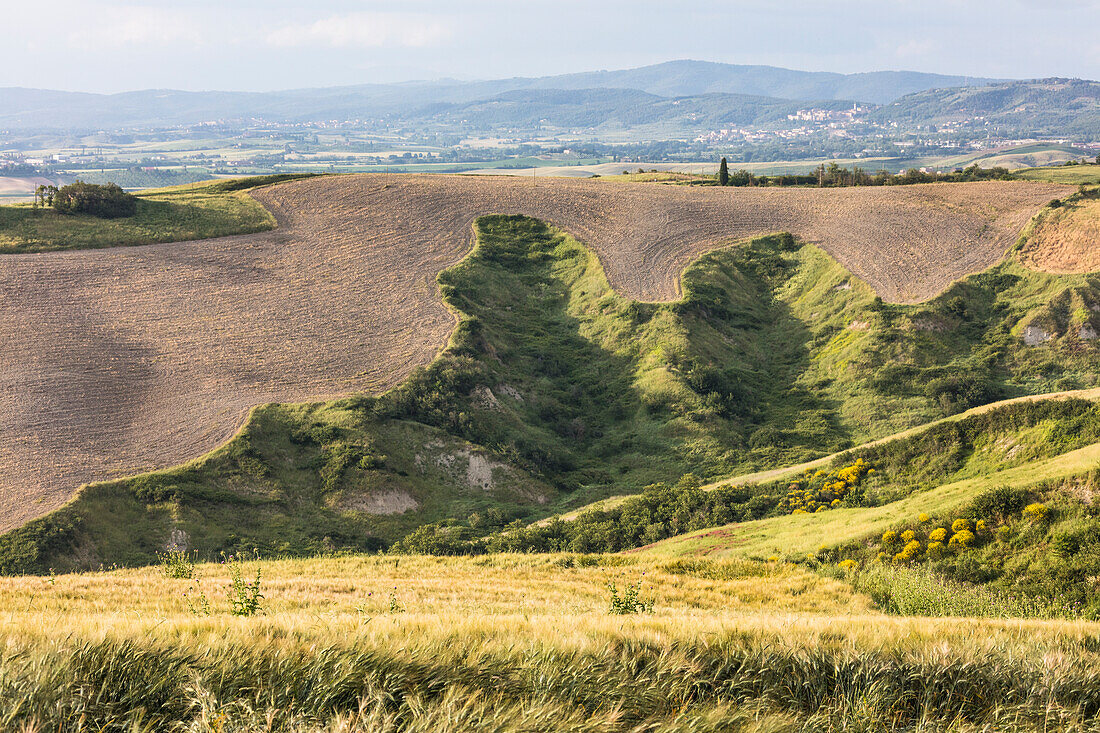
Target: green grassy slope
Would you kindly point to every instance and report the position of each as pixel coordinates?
(163, 215)
(783, 473)
(1072, 174)
(555, 391)
(797, 535)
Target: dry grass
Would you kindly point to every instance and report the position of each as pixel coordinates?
(127, 359)
(519, 597)
(514, 643)
(345, 589)
(1067, 240)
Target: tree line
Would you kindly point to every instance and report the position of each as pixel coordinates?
(833, 175)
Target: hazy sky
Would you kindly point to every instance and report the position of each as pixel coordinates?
(108, 45)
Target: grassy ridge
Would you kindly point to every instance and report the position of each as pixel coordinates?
(798, 535)
(515, 643)
(163, 215)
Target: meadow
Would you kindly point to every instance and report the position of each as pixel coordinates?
(521, 643)
(1067, 174)
(182, 213)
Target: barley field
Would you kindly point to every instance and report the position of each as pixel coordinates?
(122, 360)
(519, 643)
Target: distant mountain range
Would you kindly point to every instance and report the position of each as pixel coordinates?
(705, 82)
(680, 95)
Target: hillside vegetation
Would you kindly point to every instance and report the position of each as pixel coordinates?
(518, 643)
(1037, 107)
(163, 215)
(555, 391)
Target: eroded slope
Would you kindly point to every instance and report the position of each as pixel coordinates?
(125, 359)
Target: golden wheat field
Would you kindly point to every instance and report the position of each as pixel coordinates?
(519, 643)
(127, 359)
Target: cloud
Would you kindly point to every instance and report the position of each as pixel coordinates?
(364, 30)
(133, 25)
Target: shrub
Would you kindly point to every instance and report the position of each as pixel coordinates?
(980, 526)
(938, 535)
(960, 525)
(909, 552)
(908, 536)
(108, 201)
(1004, 534)
(963, 538)
(935, 550)
(889, 537)
(244, 596)
(923, 518)
(848, 565)
(1000, 501)
(629, 602)
(1037, 512)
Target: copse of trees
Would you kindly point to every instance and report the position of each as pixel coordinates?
(835, 176)
(44, 196)
(106, 201)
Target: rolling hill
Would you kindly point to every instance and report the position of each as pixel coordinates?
(500, 421)
(1038, 107)
(339, 299)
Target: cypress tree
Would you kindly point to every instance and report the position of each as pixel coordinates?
(723, 173)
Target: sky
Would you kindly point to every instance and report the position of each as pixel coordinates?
(262, 45)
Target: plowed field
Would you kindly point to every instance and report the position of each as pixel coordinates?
(125, 359)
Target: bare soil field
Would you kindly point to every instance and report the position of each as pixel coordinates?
(1067, 241)
(126, 359)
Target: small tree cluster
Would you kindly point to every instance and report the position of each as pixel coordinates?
(108, 201)
(44, 196)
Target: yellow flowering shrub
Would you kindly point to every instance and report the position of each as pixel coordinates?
(935, 550)
(848, 565)
(822, 490)
(938, 535)
(959, 525)
(922, 518)
(909, 552)
(979, 526)
(889, 537)
(963, 538)
(1004, 534)
(1037, 512)
(908, 535)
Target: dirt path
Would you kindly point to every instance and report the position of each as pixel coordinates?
(127, 359)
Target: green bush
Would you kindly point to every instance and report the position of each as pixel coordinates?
(106, 201)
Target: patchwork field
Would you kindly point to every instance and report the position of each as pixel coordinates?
(125, 359)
